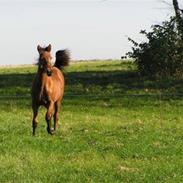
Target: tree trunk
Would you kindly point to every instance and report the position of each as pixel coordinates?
(176, 8)
(179, 18)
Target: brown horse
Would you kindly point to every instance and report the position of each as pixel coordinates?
(48, 86)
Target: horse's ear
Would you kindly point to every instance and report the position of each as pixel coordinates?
(39, 49)
(48, 48)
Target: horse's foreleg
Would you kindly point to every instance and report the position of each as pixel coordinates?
(56, 114)
(48, 117)
(34, 121)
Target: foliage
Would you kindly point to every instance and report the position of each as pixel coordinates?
(162, 53)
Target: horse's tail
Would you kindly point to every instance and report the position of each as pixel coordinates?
(62, 58)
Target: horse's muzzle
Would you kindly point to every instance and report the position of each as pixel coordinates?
(49, 72)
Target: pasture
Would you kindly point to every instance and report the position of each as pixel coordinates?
(115, 126)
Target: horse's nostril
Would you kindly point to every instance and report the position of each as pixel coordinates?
(49, 73)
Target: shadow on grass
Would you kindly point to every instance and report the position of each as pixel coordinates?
(97, 83)
(116, 83)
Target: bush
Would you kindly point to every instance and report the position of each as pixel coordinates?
(162, 54)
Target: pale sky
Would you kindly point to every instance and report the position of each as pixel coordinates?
(90, 29)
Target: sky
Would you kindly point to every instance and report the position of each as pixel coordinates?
(90, 29)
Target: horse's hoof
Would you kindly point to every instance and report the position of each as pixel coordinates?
(50, 131)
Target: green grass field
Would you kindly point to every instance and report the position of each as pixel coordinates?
(115, 126)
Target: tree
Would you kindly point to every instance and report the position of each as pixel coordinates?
(162, 53)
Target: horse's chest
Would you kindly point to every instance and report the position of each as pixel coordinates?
(46, 95)
(50, 93)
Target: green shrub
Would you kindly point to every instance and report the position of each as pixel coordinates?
(162, 54)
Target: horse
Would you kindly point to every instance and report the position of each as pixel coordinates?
(48, 86)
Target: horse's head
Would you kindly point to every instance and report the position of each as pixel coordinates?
(45, 64)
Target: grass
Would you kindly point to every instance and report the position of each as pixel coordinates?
(115, 126)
